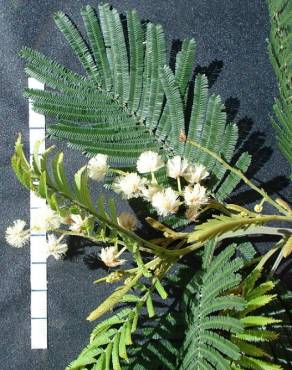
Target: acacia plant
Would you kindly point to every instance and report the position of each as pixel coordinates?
(154, 133)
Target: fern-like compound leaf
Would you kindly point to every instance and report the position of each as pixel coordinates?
(280, 49)
(131, 101)
(203, 344)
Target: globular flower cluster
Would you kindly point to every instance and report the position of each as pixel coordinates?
(46, 220)
(55, 247)
(129, 185)
(110, 257)
(77, 223)
(16, 235)
(165, 200)
(97, 167)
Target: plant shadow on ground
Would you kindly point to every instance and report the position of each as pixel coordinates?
(254, 143)
(87, 250)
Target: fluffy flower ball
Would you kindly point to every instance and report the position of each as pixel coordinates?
(165, 202)
(195, 196)
(97, 167)
(77, 223)
(127, 221)
(47, 219)
(176, 167)
(148, 192)
(16, 235)
(55, 248)
(149, 162)
(196, 173)
(110, 257)
(129, 185)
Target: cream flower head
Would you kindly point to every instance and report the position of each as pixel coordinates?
(176, 167)
(165, 202)
(55, 248)
(149, 162)
(195, 173)
(129, 185)
(127, 221)
(148, 192)
(195, 196)
(46, 219)
(77, 223)
(97, 167)
(110, 257)
(16, 235)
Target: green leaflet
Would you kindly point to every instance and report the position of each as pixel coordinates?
(59, 174)
(257, 327)
(198, 114)
(184, 65)
(220, 224)
(258, 321)
(136, 59)
(113, 299)
(175, 107)
(254, 363)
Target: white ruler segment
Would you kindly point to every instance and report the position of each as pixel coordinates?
(38, 258)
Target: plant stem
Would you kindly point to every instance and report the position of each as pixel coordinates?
(97, 240)
(149, 265)
(178, 184)
(256, 230)
(71, 233)
(242, 176)
(153, 178)
(268, 255)
(117, 171)
(220, 228)
(121, 251)
(277, 262)
(267, 230)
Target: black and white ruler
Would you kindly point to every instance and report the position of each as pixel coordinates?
(38, 256)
